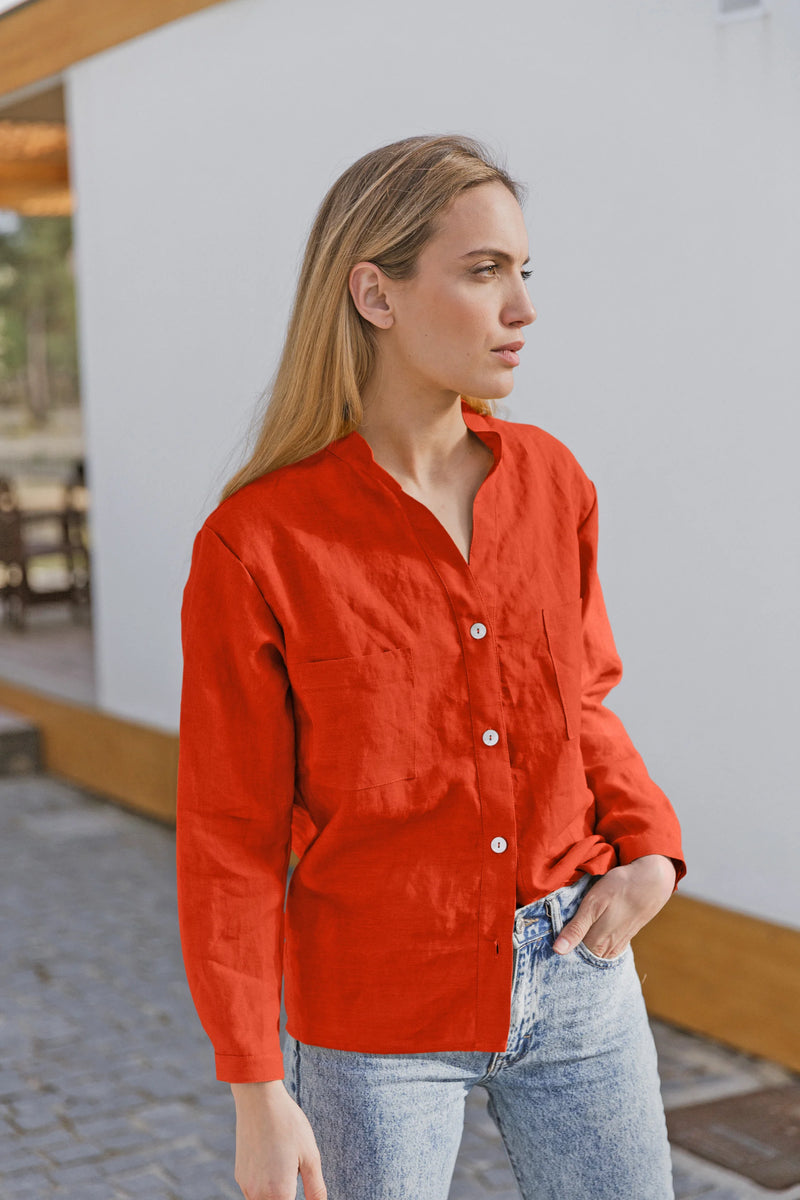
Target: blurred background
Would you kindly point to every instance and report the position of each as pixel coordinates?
(160, 167)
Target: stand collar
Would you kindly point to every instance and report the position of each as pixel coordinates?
(354, 447)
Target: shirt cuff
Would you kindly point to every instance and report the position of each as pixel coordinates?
(249, 1068)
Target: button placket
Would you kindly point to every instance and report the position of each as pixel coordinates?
(490, 737)
(471, 587)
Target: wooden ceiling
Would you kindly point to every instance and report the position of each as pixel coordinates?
(34, 166)
(39, 40)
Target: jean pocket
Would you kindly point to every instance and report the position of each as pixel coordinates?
(589, 956)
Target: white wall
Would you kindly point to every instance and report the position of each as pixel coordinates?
(664, 239)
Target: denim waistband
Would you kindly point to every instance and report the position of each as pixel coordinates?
(534, 920)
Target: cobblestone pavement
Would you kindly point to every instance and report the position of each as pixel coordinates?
(106, 1076)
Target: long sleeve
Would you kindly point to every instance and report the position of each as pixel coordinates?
(633, 813)
(234, 802)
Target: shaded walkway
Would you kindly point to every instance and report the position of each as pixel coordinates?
(53, 654)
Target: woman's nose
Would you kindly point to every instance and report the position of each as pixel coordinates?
(525, 316)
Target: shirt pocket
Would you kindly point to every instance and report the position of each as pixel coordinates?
(564, 632)
(356, 719)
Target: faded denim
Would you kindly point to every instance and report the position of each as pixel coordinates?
(575, 1095)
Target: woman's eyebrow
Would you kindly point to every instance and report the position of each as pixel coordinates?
(501, 254)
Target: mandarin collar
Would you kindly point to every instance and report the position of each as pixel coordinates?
(353, 447)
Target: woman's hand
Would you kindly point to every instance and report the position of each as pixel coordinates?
(273, 1141)
(618, 905)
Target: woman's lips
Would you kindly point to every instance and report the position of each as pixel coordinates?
(508, 356)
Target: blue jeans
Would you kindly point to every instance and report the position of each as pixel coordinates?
(576, 1093)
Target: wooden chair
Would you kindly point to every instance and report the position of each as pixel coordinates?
(28, 535)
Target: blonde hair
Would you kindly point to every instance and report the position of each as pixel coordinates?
(382, 209)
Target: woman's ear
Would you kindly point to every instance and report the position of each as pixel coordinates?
(368, 287)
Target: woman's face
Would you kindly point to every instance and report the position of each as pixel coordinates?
(442, 329)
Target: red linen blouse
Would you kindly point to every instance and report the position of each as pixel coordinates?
(428, 734)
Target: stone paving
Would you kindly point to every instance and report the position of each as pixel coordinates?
(106, 1076)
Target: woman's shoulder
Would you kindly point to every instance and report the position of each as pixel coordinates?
(266, 503)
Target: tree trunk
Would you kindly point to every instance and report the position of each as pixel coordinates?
(38, 381)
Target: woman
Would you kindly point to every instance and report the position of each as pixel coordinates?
(396, 653)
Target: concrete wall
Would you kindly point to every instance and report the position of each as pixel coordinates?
(664, 240)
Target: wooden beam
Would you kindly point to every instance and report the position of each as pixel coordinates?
(34, 173)
(123, 760)
(33, 202)
(44, 106)
(44, 37)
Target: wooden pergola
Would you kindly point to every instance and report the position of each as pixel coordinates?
(38, 40)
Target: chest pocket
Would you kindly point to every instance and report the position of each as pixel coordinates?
(540, 660)
(564, 632)
(356, 719)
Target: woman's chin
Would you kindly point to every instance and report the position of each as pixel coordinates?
(491, 389)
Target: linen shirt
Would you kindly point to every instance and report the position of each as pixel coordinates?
(428, 734)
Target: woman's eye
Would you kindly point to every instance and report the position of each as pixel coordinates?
(494, 267)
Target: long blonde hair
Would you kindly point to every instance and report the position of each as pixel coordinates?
(382, 209)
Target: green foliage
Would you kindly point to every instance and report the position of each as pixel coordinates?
(38, 351)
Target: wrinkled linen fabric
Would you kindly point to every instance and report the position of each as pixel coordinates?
(429, 734)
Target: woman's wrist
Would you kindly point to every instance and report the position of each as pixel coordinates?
(252, 1091)
(658, 864)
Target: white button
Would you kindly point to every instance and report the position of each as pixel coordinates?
(499, 844)
(477, 630)
(491, 736)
